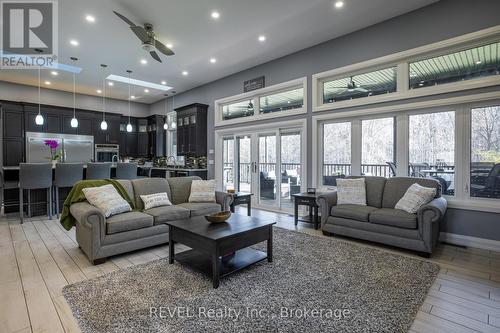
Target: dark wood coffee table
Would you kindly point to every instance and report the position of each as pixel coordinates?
(219, 249)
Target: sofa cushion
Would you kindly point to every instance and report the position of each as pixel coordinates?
(351, 191)
(107, 199)
(180, 188)
(394, 217)
(168, 213)
(145, 186)
(396, 187)
(201, 208)
(127, 222)
(355, 212)
(415, 197)
(202, 191)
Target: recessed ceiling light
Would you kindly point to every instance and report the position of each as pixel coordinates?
(74, 42)
(99, 91)
(262, 38)
(54, 73)
(144, 61)
(339, 4)
(169, 45)
(215, 15)
(213, 60)
(132, 97)
(164, 82)
(146, 90)
(479, 62)
(110, 84)
(47, 83)
(185, 73)
(90, 18)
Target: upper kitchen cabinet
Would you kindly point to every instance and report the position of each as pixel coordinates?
(13, 133)
(192, 130)
(111, 134)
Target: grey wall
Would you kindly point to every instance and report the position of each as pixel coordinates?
(22, 93)
(443, 20)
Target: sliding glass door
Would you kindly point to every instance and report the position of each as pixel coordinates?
(267, 164)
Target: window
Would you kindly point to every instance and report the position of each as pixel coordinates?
(279, 100)
(378, 147)
(172, 134)
(485, 152)
(358, 86)
(336, 152)
(459, 66)
(287, 100)
(238, 110)
(432, 148)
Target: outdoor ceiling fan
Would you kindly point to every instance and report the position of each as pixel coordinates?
(351, 86)
(147, 36)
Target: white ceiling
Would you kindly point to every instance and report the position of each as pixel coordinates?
(289, 26)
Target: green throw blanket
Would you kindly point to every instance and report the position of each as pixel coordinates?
(76, 195)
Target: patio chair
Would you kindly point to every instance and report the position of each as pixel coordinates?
(416, 168)
(392, 169)
(491, 187)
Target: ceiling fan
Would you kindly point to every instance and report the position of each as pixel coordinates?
(147, 36)
(351, 86)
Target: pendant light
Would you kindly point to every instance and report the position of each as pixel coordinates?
(165, 119)
(174, 123)
(74, 121)
(39, 117)
(129, 125)
(104, 124)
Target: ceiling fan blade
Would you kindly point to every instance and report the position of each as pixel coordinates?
(140, 32)
(155, 56)
(162, 48)
(124, 19)
(361, 90)
(341, 92)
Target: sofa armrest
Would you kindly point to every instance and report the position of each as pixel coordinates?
(325, 202)
(429, 217)
(433, 211)
(224, 199)
(90, 227)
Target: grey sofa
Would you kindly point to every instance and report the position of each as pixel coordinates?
(101, 237)
(379, 221)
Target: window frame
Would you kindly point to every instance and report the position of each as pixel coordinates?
(402, 61)
(463, 112)
(256, 95)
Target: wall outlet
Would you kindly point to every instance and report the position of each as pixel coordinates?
(211, 162)
(210, 151)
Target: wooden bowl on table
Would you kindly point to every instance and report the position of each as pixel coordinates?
(218, 217)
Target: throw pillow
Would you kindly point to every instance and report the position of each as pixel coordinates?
(202, 191)
(155, 200)
(415, 197)
(107, 199)
(351, 191)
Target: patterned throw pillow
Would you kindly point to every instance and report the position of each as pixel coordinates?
(202, 191)
(415, 197)
(351, 192)
(107, 199)
(155, 200)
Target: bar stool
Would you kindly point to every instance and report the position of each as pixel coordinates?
(6, 185)
(126, 171)
(66, 175)
(98, 171)
(33, 176)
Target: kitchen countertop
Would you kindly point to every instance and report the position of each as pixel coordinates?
(16, 167)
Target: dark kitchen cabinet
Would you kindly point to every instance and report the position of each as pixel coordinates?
(192, 130)
(84, 126)
(111, 134)
(54, 123)
(131, 144)
(67, 129)
(142, 144)
(13, 151)
(13, 134)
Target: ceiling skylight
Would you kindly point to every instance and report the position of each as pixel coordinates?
(140, 83)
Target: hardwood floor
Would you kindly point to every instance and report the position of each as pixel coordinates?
(39, 257)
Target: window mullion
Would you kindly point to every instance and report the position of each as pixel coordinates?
(356, 143)
(402, 144)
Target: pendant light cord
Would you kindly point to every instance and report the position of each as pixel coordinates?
(103, 95)
(129, 97)
(39, 98)
(74, 95)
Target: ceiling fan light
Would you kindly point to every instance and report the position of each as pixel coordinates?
(104, 125)
(129, 127)
(74, 122)
(39, 119)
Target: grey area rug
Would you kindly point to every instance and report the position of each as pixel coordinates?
(315, 284)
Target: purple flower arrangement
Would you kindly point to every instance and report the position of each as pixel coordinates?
(53, 144)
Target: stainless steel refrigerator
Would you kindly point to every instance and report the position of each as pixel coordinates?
(73, 148)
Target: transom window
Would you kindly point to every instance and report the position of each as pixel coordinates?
(373, 83)
(458, 66)
(286, 100)
(238, 110)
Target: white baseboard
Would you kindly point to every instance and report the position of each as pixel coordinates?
(480, 243)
